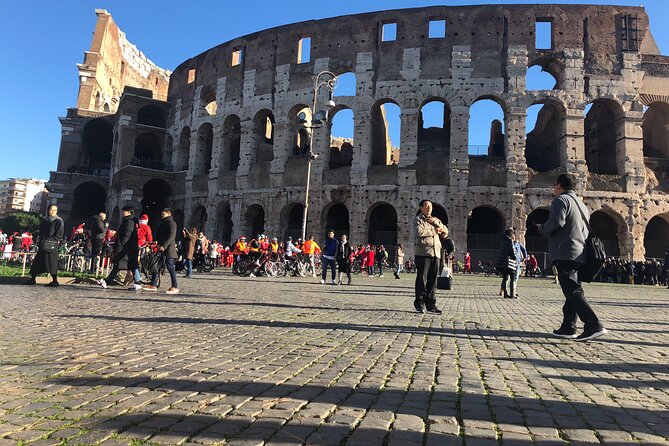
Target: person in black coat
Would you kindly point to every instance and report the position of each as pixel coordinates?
(98, 231)
(167, 245)
(507, 253)
(343, 258)
(51, 232)
(126, 250)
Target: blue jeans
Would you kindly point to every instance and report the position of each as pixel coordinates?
(170, 265)
(331, 264)
(188, 264)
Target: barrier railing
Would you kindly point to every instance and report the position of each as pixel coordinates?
(72, 263)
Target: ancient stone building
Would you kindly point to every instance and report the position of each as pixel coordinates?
(225, 146)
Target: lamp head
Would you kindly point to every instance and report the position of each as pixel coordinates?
(301, 118)
(330, 103)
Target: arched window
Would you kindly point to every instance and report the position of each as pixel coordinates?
(183, 151)
(346, 85)
(205, 142)
(604, 151)
(341, 139)
(151, 115)
(546, 135)
(486, 129)
(232, 133)
(434, 127)
(539, 79)
(385, 121)
(656, 131)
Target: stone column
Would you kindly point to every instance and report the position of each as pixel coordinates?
(631, 159)
(572, 158)
(459, 156)
(409, 137)
(283, 143)
(247, 149)
(362, 149)
(516, 176)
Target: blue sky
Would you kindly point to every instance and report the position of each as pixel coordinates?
(41, 43)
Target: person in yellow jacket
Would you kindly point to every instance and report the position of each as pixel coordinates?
(274, 248)
(311, 248)
(239, 251)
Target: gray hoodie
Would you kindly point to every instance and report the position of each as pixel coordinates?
(565, 228)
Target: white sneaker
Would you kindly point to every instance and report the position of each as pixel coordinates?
(252, 275)
(102, 283)
(334, 282)
(135, 287)
(380, 275)
(323, 281)
(314, 275)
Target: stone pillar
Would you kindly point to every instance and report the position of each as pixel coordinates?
(409, 137)
(283, 144)
(516, 176)
(631, 159)
(362, 149)
(247, 149)
(459, 157)
(572, 158)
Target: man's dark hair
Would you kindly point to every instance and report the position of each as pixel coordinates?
(422, 202)
(567, 181)
(168, 210)
(128, 209)
(509, 232)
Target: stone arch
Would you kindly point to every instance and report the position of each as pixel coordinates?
(656, 130)
(485, 226)
(383, 151)
(480, 112)
(183, 151)
(604, 145)
(434, 126)
(152, 115)
(341, 147)
(232, 134)
(440, 212)
(335, 216)
(97, 142)
(382, 225)
(546, 142)
(156, 196)
(208, 100)
(545, 73)
(298, 128)
(88, 198)
(263, 124)
(204, 149)
(609, 226)
(148, 151)
(291, 219)
(534, 241)
(224, 223)
(199, 218)
(254, 220)
(656, 236)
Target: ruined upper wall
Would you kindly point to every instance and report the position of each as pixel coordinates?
(487, 29)
(112, 64)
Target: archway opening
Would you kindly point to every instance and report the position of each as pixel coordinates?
(225, 225)
(656, 131)
(341, 139)
(544, 142)
(385, 122)
(198, 218)
(346, 85)
(434, 127)
(292, 221)
(156, 196)
(148, 151)
(382, 228)
(537, 78)
(183, 152)
(205, 142)
(264, 136)
(440, 212)
(89, 199)
(151, 115)
(255, 220)
(337, 219)
(605, 227)
(97, 141)
(232, 136)
(656, 236)
(486, 129)
(485, 227)
(603, 148)
(534, 241)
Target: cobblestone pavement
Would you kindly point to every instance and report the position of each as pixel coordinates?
(279, 361)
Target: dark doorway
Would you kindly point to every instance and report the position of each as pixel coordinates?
(293, 221)
(156, 196)
(534, 241)
(382, 228)
(148, 151)
(601, 136)
(225, 225)
(198, 219)
(656, 237)
(255, 220)
(605, 227)
(485, 227)
(439, 212)
(151, 115)
(97, 141)
(337, 219)
(89, 199)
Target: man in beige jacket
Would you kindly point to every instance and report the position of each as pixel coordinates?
(429, 230)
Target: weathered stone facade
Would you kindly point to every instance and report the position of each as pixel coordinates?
(224, 143)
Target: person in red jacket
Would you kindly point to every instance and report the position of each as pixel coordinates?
(144, 235)
(371, 256)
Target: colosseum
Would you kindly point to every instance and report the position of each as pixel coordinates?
(222, 138)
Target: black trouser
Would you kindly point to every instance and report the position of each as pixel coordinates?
(96, 250)
(427, 269)
(344, 267)
(509, 275)
(575, 303)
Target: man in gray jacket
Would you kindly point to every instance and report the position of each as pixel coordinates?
(429, 230)
(567, 232)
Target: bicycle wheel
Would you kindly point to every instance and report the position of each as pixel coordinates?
(244, 267)
(271, 269)
(301, 269)
(207, 265)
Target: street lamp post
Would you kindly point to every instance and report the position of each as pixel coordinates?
(323, 79)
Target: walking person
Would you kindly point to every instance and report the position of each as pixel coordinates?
(567, 230)
(166, 239)
(381, 256)
(521, 256)
(51, 232)
(399, 260)
(507, 264)
(126, 251)
(329, 252)
(429, 230)
(188, 250)
(343, 258)
(98, 232)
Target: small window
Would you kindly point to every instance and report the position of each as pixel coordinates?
(544, 35)
(191, 75)
(389, 32)
(304, 50)
(437, 29)
(237, 57)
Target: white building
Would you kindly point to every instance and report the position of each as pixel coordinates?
(21, 194)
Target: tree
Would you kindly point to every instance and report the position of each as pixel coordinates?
(21, 221)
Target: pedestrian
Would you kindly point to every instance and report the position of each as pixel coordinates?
(126, 251)
(507, 263)
(344, 258)
(310, 248)
(371, 257)
(429, 230)
(166, 240)
(97, 232)
(188, 250)
(51, 232)
(381, 257)
(521, 256)
(567, 230)
(329, 252)
(399, 260)
(468, 263)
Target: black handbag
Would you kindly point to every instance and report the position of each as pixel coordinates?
(444, 283)
(512, 264)
(49, 245)
(595, 253)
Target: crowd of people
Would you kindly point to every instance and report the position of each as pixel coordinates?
(17, 242)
